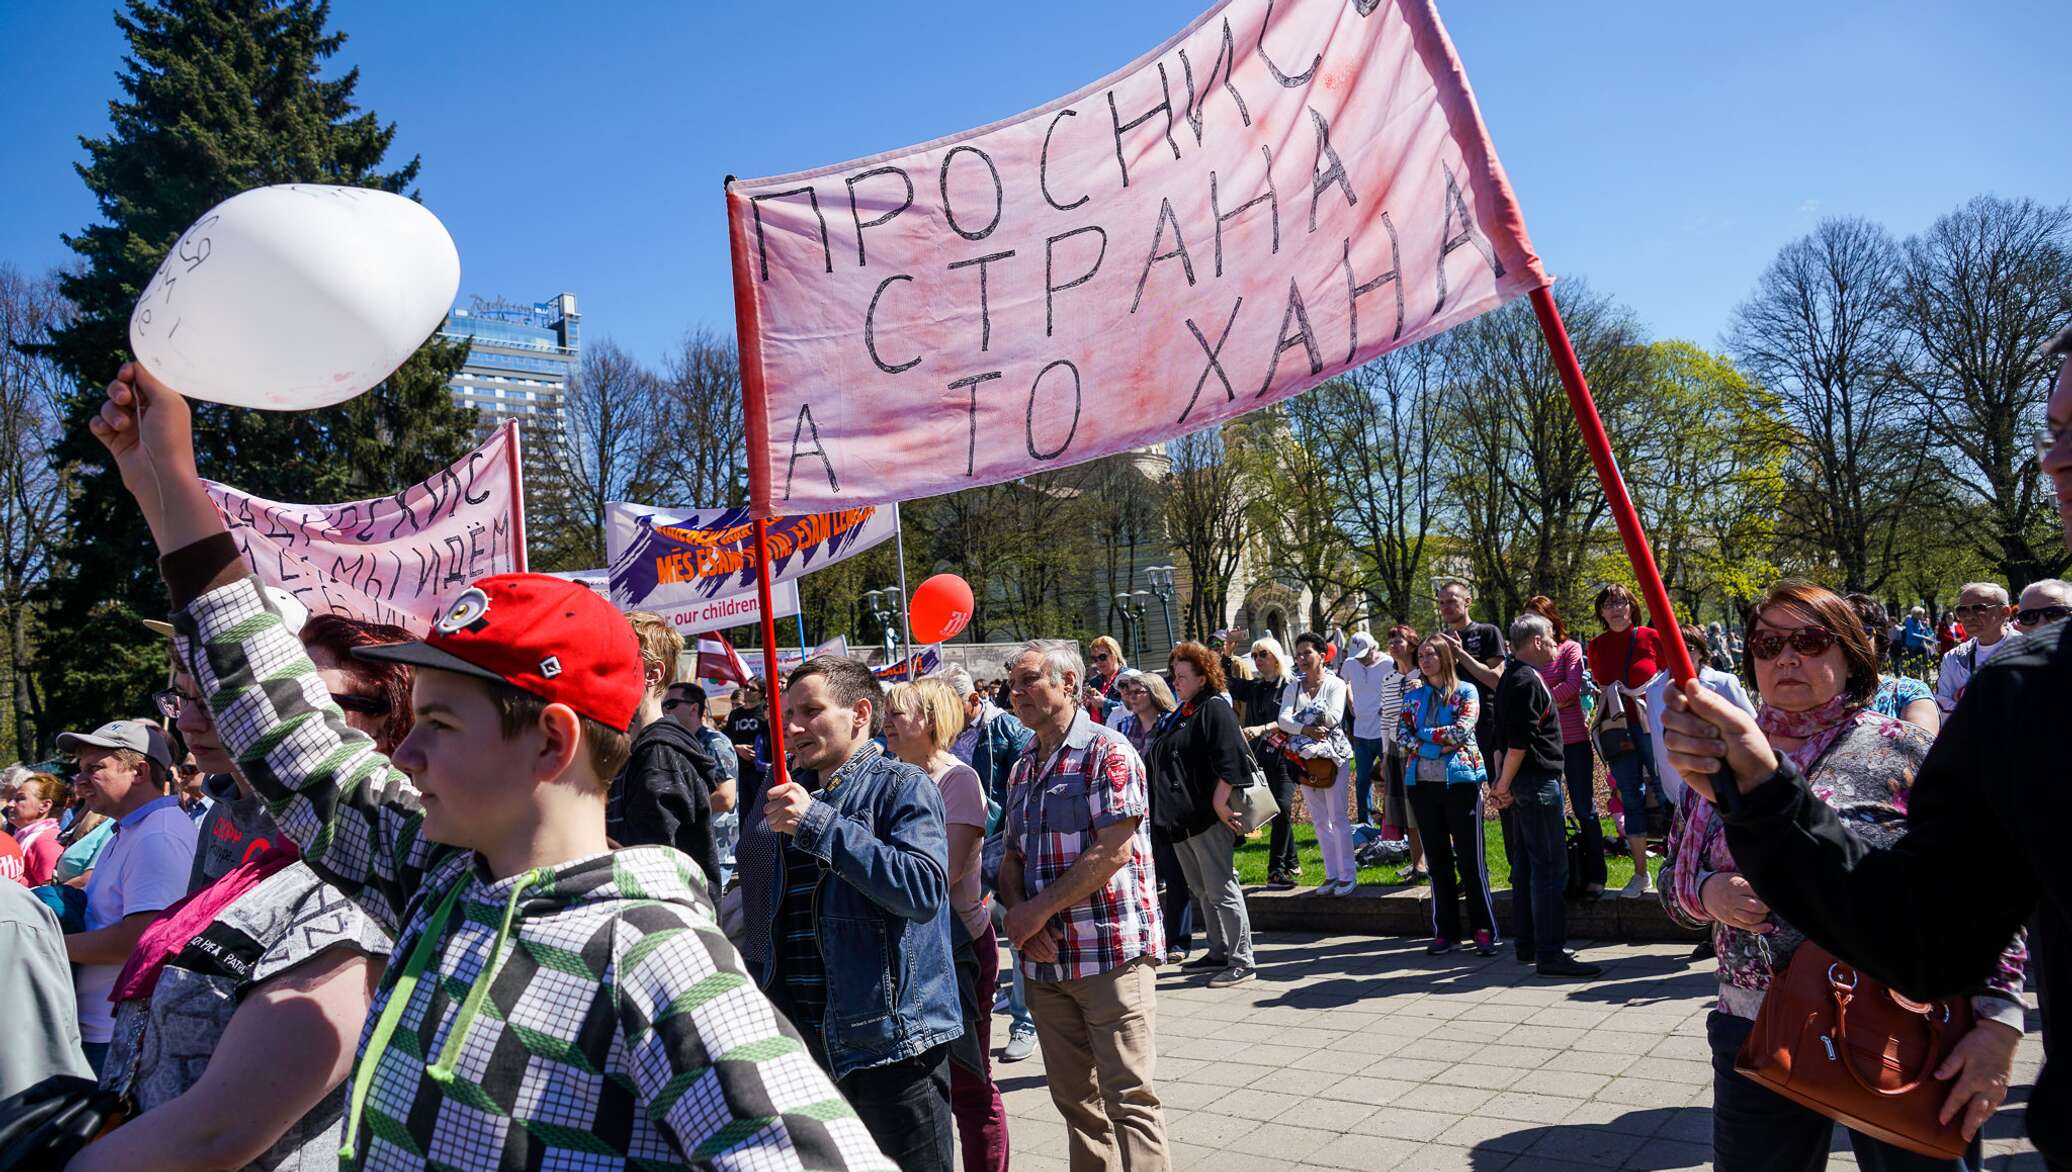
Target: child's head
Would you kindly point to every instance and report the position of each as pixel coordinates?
(525, 693)
(661, 649)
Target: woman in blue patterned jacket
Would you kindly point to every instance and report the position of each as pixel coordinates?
(1437, 728)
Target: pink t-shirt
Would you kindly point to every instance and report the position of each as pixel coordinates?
(964, 804)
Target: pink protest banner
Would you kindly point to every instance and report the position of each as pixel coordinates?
(395, 559)
(1282, 191)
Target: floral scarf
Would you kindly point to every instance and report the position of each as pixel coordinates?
(1815, 728)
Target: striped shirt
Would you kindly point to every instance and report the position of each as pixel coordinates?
(1394, 686)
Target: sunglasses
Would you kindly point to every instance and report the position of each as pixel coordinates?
(2038, 616)
(1807, 641)
(1978, 608)
(673, 705)
(189, 771)
(169, 700)
(369, 705)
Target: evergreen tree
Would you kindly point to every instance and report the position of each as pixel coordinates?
(218, 96)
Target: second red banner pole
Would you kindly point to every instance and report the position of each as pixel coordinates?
(773, 686)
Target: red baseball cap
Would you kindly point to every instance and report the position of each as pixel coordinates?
(557, 639)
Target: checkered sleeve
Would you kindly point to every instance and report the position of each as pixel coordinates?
(355, 817)
(716, 1067)
(1117, 791)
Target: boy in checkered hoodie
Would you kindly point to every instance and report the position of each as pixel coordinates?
(550, 1002)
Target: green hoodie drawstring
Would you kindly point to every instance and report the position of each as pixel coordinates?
(428, 943)
(391, 1014)
(441, 1072)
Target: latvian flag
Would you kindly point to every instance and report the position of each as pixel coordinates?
(717, 659)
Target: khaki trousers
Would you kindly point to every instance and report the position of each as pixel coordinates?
(1099, 1058)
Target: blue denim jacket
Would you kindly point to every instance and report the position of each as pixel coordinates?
(883, 908)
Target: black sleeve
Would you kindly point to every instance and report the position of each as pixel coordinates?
(1512, 727)
(1931, 913)
(656, 803)
(1226, 745)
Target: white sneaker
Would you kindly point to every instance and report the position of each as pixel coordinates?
(1641, 886)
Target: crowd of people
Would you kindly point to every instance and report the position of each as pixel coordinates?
(514, 895)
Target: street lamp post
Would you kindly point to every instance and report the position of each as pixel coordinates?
(1143, 600)
(1132, 623)
(885, 605)
(1161, 580)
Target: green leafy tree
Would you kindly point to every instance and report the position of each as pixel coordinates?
(1706, 477)
(218, 96)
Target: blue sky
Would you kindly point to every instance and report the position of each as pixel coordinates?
(1664, 151)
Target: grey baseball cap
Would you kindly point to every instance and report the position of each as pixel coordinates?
(139, 735)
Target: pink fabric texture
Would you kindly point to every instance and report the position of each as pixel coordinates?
(183, 921)
(1279, 193)
(1565, 679)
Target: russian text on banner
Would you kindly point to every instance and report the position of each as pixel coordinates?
(679, 558)
(1282, 191)
(395, 559)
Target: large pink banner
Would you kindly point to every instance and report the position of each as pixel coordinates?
(1283, 191)
(395, 559)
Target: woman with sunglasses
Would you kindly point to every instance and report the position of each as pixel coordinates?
(1816, 671)
(1145, 702)
(238, 1012)
(1900, 697)
(1623, 659)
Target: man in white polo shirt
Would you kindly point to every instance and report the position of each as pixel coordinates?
(123, 770)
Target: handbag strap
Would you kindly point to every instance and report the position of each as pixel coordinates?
(1844, 994)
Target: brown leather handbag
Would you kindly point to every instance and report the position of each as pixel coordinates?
(1846, 1045)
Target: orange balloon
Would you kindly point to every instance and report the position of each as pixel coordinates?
(942, 607)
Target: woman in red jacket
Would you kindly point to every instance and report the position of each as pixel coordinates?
(1623, 659)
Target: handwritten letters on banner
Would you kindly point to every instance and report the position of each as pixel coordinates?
(1285, 190)
(394, 559)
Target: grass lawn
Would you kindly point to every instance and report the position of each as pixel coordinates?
(1251, 860)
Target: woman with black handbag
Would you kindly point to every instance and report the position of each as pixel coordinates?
(1814, 667)
(1196, 761)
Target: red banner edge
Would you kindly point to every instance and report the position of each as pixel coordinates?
(748, 343)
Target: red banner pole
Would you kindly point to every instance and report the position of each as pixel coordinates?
(748, 343)
(773, 687)
(517, 498)
(1652, 589)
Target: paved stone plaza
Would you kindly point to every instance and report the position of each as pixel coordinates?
(1355, 1052)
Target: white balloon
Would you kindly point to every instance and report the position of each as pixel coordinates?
(296, 296)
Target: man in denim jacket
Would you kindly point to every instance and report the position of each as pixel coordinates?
(845, 891)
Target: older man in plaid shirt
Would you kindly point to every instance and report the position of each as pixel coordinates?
(1083, 913)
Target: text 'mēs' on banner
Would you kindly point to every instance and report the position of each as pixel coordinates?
(1283, 191)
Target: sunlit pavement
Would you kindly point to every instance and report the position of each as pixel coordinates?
(1353, 1052)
